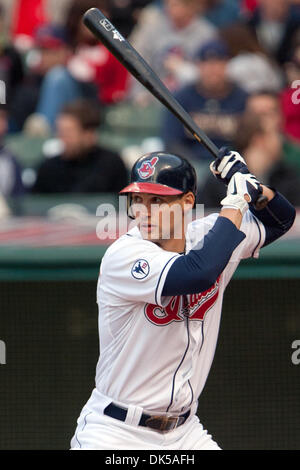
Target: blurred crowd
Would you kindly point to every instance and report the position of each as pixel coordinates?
(234, 65)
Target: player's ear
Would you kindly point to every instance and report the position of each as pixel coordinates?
(188, 201)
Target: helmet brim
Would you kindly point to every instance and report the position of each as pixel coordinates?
(151, 188)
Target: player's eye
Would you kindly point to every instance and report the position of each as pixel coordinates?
(157, 200)
(136, 200)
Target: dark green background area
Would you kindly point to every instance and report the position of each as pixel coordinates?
(251, 399)
(280, 260)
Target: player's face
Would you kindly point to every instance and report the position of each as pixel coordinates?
(161, 218)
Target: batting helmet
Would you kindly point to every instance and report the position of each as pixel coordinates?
(162, 173)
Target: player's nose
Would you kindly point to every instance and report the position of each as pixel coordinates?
(142, 210)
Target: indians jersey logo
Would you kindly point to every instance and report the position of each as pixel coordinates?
(147, 168)
(194, 306)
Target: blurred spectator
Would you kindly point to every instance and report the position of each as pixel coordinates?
(262, 149)
(250, 67)
(213, 101)
(11, 65)
(267, 106)
(10, 170)
(83, 166)
(167, 37)
(51, 50)
(53, 11)
(124, 14)
(92, 62)
(222, 13)
(92, 72)
(56, 10)
(27, 17)
(248, 6)
(290, 96)
(275, 23)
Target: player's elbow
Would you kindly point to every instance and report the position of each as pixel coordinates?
(273, 232)
(291, 220)
(288, 222)
(278, 217)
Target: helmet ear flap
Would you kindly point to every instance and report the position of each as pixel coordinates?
(129, 205)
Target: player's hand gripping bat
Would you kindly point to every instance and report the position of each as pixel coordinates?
(102, 28)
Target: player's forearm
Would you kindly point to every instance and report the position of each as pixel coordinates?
(277, 217)
(201, 267)
(235, 216)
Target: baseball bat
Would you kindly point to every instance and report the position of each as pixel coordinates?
(125, 53)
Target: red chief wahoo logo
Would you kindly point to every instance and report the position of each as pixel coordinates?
(147, 168)
(197, 307)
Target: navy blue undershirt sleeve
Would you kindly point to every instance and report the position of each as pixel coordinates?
(200, 268)
(277, 217)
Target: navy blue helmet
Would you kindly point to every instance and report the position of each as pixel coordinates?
(162, 173)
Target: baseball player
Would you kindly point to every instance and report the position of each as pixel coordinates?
(160, 300)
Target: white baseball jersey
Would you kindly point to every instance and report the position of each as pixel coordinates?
(156, 352)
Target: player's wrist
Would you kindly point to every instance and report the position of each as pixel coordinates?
(235, 202)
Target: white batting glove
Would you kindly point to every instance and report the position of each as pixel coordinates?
(242, 190)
